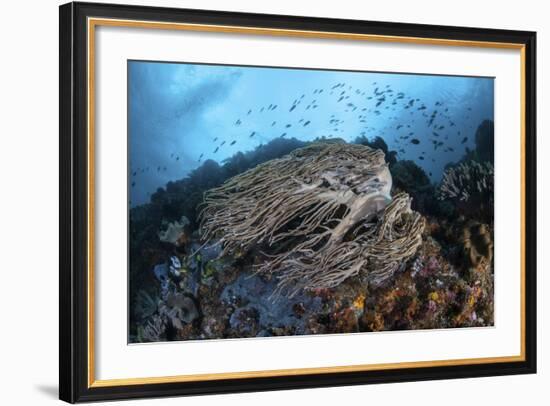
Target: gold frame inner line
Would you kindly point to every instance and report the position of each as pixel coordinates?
(95, 22)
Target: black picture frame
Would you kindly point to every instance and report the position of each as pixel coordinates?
(74, 385)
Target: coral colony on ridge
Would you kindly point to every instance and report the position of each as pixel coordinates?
(277, 202)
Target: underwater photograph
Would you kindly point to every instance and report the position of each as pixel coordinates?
(269, 201)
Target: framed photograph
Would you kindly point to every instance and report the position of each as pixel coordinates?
(255, 202)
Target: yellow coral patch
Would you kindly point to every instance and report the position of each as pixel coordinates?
(434, 296)
(359, 301)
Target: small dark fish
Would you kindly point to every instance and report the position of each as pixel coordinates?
(249, 111)
(283, 134)
(464, 140)
(215, 139)
(421, 158)
(233, 142)
(238, 122)
(133, 184)
(177, 159)
(306, 123)
(430, 174)
(222, 144)
(399, 126)
(134, 174)
(252, 134)
(273, 123)
(216, 150)
(415, 141)
(292, 108)
(288, 125)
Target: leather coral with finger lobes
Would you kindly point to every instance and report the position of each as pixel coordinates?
(319, 215)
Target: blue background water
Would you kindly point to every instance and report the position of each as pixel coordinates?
(183, 114)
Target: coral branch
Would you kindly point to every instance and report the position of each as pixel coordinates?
(469, 180)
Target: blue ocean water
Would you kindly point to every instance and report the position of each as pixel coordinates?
(181, 115)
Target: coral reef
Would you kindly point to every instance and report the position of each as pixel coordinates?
(485, 143)
(354, 239)
(185, 195)
(177, 199)
(478, 243)
(215, 298)
(411, 178)
(470, 186)
(175, 232)
(153, 330)
(179, 309)
(408, 176)
(332, 201)
(144, 305)
(379, 143)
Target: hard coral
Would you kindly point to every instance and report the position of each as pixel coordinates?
(478, 243)
(179, 309)
(470, 185)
